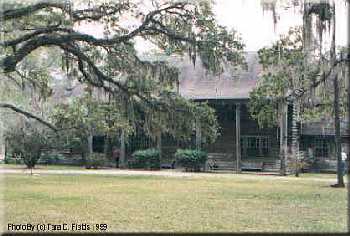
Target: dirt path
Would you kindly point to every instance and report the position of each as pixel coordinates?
(167, 173)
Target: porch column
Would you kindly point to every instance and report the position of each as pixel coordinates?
(159, 145)
(238, 138)
(122, 163)
(283, 136)
(198, 134)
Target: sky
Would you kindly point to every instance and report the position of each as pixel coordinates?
(255, 25)
(257, 28)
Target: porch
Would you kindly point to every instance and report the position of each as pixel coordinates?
(242, 144)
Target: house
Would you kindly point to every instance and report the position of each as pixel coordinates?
(242, 142)
(241, 138)
(318, 137)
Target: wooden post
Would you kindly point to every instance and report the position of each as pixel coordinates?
(283, 136)
(198, 134)
(199, 138)
(285, 144)
(238, 138)
(159, 145)
(122, 163)
(260, 143)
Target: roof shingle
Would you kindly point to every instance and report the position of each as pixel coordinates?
(197, 83)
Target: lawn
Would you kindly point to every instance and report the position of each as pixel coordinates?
(177, 204)
(42, 167)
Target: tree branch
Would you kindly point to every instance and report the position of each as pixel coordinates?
(35, 40)
(103, 78)
(24, 11)
(95, 13)
(324, 77)
(28, 115)
(26, 37)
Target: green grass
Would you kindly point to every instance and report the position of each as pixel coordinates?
(140, 203)
(46, 167)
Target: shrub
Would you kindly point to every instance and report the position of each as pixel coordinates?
(302, 165)
(191, 159)
(27, 143)
(95, 160)
(12, 160)
(51, 159)
(147, 159)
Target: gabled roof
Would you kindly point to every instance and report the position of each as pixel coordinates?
(196, 83)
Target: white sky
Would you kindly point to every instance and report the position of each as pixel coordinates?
(255, 26)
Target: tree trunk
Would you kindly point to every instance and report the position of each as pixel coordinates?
(295, 138)
(340, 179)
(6, 146)
(198, 135)
(90, 144)
(83, 148)
(307, 31)
(348, 80)
(336, 107)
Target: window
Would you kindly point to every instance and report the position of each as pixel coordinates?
(254, 142)
(255, 145)
(98, 143)
(264, 142)
(321, 147)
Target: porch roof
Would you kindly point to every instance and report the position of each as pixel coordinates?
(323, 128)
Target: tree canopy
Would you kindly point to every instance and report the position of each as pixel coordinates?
(174, 26)
(134, 87)
(300, 66)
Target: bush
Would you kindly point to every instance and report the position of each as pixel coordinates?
(95, 160)
(302, 165)
(147, 159)
(51, 159)
(12, 160)
(191, 159)
(27, 143)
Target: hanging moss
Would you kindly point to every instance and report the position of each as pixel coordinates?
(270, 6)
(323, 10)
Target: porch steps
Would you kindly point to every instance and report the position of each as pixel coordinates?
(221, 162)
(226, 162)
(272, 165)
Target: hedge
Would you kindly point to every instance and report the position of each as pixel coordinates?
(191, 159)
(146, 159)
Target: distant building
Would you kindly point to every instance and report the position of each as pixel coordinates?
(228, 94)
